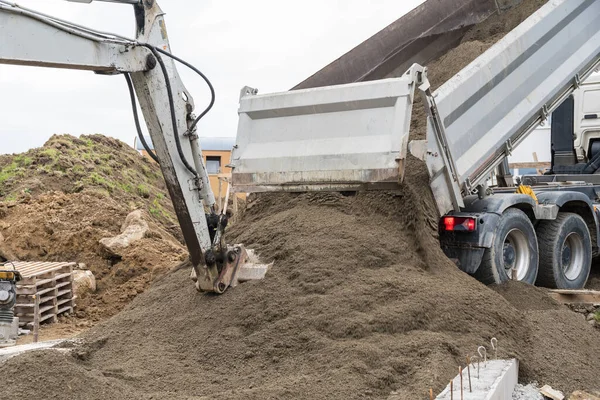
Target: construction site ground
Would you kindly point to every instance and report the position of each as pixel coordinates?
(361, 301)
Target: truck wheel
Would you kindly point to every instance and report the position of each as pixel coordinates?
(565, 252)
(514, 251)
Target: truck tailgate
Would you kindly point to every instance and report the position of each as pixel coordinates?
(343, 137)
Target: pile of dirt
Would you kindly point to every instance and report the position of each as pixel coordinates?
(561, 341)
(58, 201)
(361, 302)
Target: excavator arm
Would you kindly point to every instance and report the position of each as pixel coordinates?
(31, 38)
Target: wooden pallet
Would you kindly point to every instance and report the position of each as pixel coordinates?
(584, 297)
(52, 283)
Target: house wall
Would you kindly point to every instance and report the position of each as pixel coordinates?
(214, 178)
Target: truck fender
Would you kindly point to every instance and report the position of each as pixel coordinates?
(498, 203)
(560, 198)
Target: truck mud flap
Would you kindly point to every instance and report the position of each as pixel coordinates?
(466, 259)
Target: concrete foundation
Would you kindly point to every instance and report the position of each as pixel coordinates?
(497, 380)
(9, 352)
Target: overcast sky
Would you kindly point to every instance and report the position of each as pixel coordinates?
(268, 44)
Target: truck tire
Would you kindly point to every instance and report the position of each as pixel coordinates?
(565, 252)
(514, 251)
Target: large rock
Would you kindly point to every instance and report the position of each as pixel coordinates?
(5, 252)
(134, 229)
(83, 282)
(580, 395)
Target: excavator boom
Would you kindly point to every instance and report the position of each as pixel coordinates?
(31, 38)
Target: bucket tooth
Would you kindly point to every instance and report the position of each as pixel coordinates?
(251, 270)
(240, 265)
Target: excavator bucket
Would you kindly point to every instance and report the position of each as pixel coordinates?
(344, 137)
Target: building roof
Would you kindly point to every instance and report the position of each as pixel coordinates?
(206, 143)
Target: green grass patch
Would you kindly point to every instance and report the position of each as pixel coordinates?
(78, 169)
(23, 161)
(12, 170)
(143, 191)
(50, 153)
(106, 170)
(99, 180)
(11, 197)
(44, 169)
(148, 172)
(157, 210)
(6, 174)
(125, 187)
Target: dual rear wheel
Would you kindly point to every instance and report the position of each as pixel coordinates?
(556, 254)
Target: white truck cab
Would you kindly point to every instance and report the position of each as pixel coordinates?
(587, 118)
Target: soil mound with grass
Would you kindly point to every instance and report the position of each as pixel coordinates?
(58, 201)
(360, 302)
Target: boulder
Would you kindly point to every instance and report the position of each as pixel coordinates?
(5, 252)
(134, 228)
(580, 395)
(83, 282)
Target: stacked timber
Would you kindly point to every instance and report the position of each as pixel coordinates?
(50, 284)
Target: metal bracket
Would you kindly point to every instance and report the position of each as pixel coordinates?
(508, 147)
(248, 91)
(195, 184)
(483, 191)
(468, 187)
(577, 81)
(544, 113)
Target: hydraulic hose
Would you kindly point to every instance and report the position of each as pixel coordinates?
(137, 119)
(204, 77)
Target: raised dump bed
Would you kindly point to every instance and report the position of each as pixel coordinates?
(51, 283)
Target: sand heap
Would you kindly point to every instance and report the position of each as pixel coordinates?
(58, 201)
(361, 302)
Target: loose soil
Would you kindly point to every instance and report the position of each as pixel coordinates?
(58, 201)
(361, 302)
(67, 327)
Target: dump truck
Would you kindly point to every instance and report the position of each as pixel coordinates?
(355, 136)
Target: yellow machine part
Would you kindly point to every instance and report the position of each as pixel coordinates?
(524, 189)
(7, 276)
